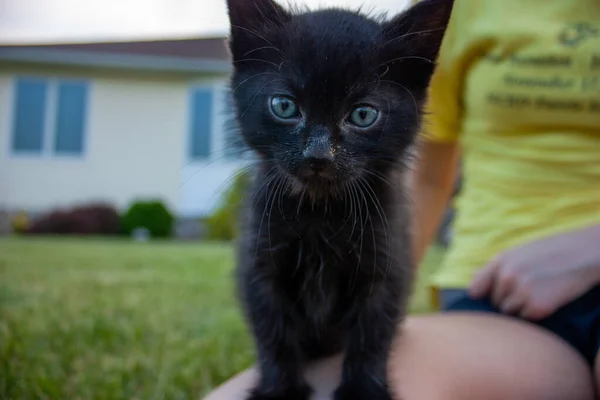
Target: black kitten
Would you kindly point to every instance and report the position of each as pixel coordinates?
(329, 101)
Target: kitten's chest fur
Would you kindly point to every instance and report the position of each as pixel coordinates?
(317, 270)
(322, 260)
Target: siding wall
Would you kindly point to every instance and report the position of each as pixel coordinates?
(136, 145)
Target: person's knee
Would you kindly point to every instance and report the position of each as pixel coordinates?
(485, 359)
(486, 385)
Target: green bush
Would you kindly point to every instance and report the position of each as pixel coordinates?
(152, 215)
(223, 223)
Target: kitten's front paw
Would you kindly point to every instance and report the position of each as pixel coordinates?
(293, 393)
(362, 391)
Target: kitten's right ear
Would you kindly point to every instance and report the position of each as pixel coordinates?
(412, 40)
(250, 20)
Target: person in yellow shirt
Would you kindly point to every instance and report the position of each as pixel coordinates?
(515, 97)
(516, 91)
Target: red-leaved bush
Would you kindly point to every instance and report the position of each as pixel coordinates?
(90, 219)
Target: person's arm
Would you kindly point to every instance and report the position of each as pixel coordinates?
(435, 172)
(431, 185)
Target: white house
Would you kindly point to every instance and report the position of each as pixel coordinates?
(115, 122)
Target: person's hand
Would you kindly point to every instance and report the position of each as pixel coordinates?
(538, 278)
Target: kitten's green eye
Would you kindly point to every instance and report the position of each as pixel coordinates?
(284, 107)
(364, 116)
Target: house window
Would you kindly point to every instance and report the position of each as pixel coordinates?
(70, 118)
(30, 115)
(201, 123)
(49, 116)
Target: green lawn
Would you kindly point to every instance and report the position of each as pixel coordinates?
(111, 319)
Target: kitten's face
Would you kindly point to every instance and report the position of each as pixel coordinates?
(331, 96)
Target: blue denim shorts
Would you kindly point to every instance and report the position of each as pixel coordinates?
(578, 322)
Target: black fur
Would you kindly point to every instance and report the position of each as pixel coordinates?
(324, 260)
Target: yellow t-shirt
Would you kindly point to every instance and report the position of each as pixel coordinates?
(518, 85)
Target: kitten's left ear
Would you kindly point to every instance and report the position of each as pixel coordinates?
(250, 20)
(417, 32)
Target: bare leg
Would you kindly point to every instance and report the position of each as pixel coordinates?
(597, 375)
(463, 357)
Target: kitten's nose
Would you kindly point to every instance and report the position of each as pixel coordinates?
(318, 152)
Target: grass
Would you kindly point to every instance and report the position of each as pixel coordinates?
(111, 319)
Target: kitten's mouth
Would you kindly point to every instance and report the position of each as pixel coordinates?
(316, 175)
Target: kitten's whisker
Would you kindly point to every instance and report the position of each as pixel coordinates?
(386, 225)
(387, 114)
(286, 189)
(267, 18)
(405, 58)
(320, 277)
(240, 148)
(344, 192)
(363, 222)
(382, 178)
(255, 59)
(409, 92)
(282, 192)
(199, 169)
(373, 236)
(230, 179)
(354, 206)
(299, 260)
(267, 180)
(378, 82)
(387, 69)
(254, 33)
(262, 48)
(276, 188)
(253, 76)
(353, 209)
(255, 96)
(300, 201)
(409, 33)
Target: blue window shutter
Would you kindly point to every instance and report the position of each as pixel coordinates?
(29, 115)
(70, 117)
(201, 132)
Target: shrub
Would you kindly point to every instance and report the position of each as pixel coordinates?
(91, 219)
(223, 223)
(152, 215)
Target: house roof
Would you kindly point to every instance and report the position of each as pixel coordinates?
(208, 55)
